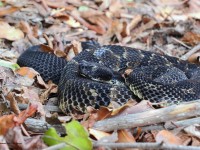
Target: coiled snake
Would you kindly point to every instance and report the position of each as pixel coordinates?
(94, 76)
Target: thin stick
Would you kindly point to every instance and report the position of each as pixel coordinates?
(144, 146)
(170, 126)
(57, 146)
(162, 50)
(192, 51)
(46, 107)
(180, 42)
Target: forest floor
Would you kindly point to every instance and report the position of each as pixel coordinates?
(169, 27)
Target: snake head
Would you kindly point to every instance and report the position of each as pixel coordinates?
(95, 71)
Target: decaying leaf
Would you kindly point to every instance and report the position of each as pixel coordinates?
(193, 130)
(16, 140)
(125, 136)
(6, 11)
(10, 121)
(9, 32)
(191, 38)
(167, 137)
(98, 134)
(28, 72)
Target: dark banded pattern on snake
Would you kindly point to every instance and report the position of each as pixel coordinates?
(155, 77)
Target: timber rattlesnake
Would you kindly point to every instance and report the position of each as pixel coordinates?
(94, 77)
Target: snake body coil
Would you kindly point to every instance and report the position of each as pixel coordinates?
(94, 77)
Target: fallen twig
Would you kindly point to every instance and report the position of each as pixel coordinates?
(180, 42)
(144, 146)
(40, 126)
(37, 126)
(57, 146)
(174, 112)
(50, 108)
(175, 124)
(192, 51)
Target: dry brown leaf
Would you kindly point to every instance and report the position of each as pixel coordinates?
(98, 134)
(76, 47)
(167, 2)
(28, 72)
(125, 137)
(4, 110)
(134, 22)
(137, 108)
(128, 108)
(168, 138)
(27, 95)
(75, 14)
(148, 137)
(194, 58)
(195, 142)
(51, 88)
(13, 103)
(115, 8)
(25, 27)
(70, 54)
(59, 53)
(111, 138)
(46, 49)
(16, 140)
(135, 34)
(191, 38)
(59, 4)
(89, 122)
(103, 113)
(41, 82)
(10, 121)
(6, 11)
(90, 13)
(102, 21)
(73, 49)
(10, 33)
(7, 54)
(121, 109)
(193, 130)
(56, 29)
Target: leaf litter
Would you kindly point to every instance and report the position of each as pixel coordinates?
(166, 27)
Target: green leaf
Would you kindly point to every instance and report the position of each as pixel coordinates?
(8, 64)
(1, 4)
(77, 137)
(83, 8)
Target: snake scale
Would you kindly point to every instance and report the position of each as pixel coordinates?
(98, 75)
